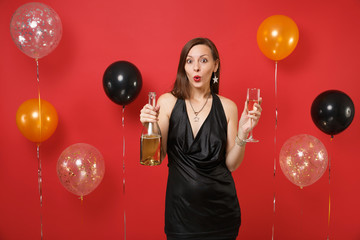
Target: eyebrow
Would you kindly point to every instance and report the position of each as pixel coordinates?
(199, 56)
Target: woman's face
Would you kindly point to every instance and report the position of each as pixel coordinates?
(199, 66)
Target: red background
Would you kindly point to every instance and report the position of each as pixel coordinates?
(150, 34)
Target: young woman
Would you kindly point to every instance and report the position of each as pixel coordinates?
(204, 142)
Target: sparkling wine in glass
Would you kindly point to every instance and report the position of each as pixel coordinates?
(252, 97)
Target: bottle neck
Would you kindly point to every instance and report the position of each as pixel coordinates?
(152, 99)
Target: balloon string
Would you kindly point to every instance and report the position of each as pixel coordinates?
(82, 208)
(38, 87)
(276, 122)
(276, 82)
(302, 212)
(37, 70)
(38, 80)
(40, 186)
(38, 149)
(328, 237)
(123, 125)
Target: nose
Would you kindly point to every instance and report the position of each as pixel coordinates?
(196, 67)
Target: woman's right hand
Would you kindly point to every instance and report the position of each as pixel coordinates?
(149, 114)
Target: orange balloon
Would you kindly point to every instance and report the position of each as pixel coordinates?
(277, 37)
(28, 120)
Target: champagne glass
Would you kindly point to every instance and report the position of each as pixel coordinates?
(252, 97)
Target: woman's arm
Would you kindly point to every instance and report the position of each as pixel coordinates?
(236, 151)
(161, 113)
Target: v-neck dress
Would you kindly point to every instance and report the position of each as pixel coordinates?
(201, 200)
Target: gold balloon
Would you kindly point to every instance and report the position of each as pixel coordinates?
(303, 159)
(30, 124)
(277, 37)
(80, 168)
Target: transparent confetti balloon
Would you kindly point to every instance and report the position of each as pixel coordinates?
(303, 159)
(36, 29)
(80, 168)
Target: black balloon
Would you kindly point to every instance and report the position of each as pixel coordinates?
(332, 111)
(122, 82)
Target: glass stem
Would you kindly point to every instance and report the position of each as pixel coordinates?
(251, 134)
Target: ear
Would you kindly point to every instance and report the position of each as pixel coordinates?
(216, 65)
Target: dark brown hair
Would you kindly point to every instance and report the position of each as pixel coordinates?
(181, 85)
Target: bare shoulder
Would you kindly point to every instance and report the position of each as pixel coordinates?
(167, 102)
(229, 106)
(167, 99)
(228, 103)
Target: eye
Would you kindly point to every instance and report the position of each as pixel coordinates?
(188, 60)
(203, 60)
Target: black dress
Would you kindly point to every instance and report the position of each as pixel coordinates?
(201, 201)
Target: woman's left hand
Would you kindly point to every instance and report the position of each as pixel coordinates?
(249, 119)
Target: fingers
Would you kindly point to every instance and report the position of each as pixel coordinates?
(257, 108)
(149, 113)
(256, 112)
(249, 119)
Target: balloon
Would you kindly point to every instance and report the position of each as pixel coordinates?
(303, 159)
(277, 37)
(80, 168)
(36, 29)
(29, 123)
(122, 82)
(332, 111)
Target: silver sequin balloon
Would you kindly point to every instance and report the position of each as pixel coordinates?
(36, 29)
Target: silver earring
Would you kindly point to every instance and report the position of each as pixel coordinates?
(215, 78)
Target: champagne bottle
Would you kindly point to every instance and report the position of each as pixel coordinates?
(150, 141)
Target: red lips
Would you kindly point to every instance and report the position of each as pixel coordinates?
(197, 78)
